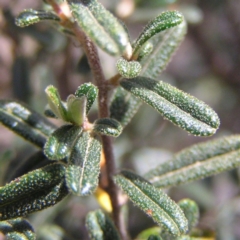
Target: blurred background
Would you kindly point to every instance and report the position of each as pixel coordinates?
(206, 65)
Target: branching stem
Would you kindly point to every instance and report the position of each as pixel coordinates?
(103, 86)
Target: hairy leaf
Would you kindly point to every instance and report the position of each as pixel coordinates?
(162, 22)
(83, 170)
(191, 212)
(88, 90)
(33, 192)
(164, 46)
(60, 143)
(100, 26)
(153, 202)
(30, 16)
(178, 107)
(198, 161)
(17, 229)
(25, 122)
(128, 69)
(100, 226)
(107, 126)
(123, 106)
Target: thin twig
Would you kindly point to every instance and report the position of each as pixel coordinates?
(103, 85)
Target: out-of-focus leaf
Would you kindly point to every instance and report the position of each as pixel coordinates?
(30, 16)
(17, 229)
(27, 115)
(50, 232)
(100, 26)
(154, 237)
(107, 126)
(76, 109)
(83, 170)
(191, 212)
(147, 232)
(154, 3)
(88, 90)
(128, 69)
(100, 226)
(198, 161)
(60, 143)
(124, 106)
(153, 202)
(164, 46)
(164, 21)
(25, 122)
(33, 192)
(180, 108)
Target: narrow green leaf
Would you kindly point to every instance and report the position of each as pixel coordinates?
(165, 45)
(128, 69)
(162, 22)
(17, 229)
(100, 26)
(100, 226)
(145, 51)
(33, 192)
(191, 212)
(180, 108)
(198, 161)
(153, 202)
(76, 109)
(60, 143)
(123, 106)
(25, 114)
(83, 170)
(25, 122)
(55, 103)
(30, 16)
(107, 126)
(88, 90)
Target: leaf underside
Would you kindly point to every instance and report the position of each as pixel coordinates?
(153, 202)
(198, 161)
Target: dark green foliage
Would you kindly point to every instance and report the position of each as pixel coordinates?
(162, 22)
(32, 192)
(17, 229)
(107, 126)
(100, 226)
(60, 143)
(124, 106)
(25, 122)
(178, 107)
(153, 202)
(83, 170)
(84, 148)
